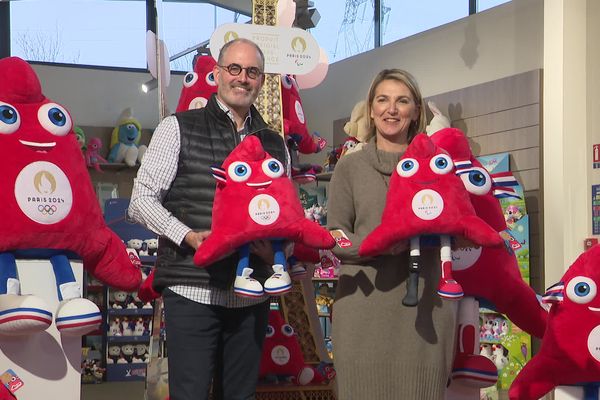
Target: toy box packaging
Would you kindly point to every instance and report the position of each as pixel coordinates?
(503, 342)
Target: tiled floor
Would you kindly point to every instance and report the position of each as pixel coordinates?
(113, 391)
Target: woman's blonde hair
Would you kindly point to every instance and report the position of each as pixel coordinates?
(410, 82)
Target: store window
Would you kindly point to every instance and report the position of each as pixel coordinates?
(486, 4)
(346, 28)
(403, 18)
(91, 32)
(187, 25)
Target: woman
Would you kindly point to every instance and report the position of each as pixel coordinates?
(384, 350)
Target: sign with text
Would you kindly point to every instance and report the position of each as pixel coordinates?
(286, 50)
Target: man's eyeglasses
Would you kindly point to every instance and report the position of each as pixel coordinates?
(236, 69)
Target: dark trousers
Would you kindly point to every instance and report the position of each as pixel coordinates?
(205, 341)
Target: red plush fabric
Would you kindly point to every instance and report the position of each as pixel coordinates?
(264, 205)
(491, 273)
(48, 201)
(570, 350)
(428, 198)
(294, 122)
(282, 354)
(198, 85)
(146, 293)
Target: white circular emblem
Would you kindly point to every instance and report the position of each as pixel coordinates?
(427, 204)
(299, 111)
(280, 355)
(263, 209)
(44, 193)
(594, 343)
(464, 258)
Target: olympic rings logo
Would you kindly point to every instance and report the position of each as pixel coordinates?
(46, 209)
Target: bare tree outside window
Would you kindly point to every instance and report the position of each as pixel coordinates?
(44, 46)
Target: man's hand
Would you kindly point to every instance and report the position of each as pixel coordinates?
(193, 239)
(460, 242)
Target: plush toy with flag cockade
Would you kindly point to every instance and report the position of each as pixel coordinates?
(254, 200)
(198, 85)
(570, 350)
(426, 197)
(49, 210)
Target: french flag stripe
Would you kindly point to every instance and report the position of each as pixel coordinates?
(21, 317)
(79, 317)
(463, 164)
(25, 310)
(64, 325)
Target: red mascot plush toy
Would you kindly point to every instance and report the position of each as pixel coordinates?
(198, 85)
(254, 200)
(294, 122)
(438, 204)
(570, 350)
(49, 209)
(282, 355)
(491, 273)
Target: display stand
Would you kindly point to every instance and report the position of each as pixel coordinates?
(48, 364)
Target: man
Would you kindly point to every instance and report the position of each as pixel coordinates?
(211, 331)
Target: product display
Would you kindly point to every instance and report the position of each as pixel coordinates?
(44, 209)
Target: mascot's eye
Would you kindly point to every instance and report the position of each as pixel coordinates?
(407, 167)
(286, 81)
(210, 79)
(10, 121)
(189, 79)
(54, 119)
(287, 330)
(272, 168)
(441, 164)
(131, 127)
(270, 331)
(581, 290)
(239, 171)
(477, 181)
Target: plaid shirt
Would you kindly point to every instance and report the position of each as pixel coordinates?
(154, 178)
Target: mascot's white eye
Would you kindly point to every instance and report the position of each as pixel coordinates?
(407, 167)
(477, 181)
(189, 79)
(441, 164)
(270, 331)
(210, 79)
(55, 119)
(287, 330)
(286, 81)
(272, 168)
(10, 120)
(239, 171)
(581, 290)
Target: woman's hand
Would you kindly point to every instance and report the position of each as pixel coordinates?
(398, 248)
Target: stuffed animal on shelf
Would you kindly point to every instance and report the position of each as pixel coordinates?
(198, 85)
(92, 154)
(282, 355)
(439, 120)
(128, 351)
(255, 199)
(438, 203)
(141, 353)
(490, 273)
(358, 127)
(80, 135)
(570, 350)
(125, 139)
(294, 121)
(49, 210)
(114, 354)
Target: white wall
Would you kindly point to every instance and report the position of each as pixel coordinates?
(96, 97)
(499, 42)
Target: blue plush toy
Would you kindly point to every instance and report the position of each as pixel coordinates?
(125, 139)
